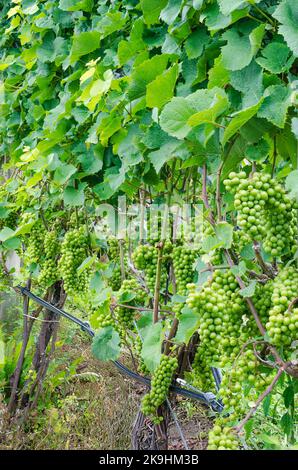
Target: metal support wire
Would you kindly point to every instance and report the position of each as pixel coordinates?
(177, 424)
(208, 399)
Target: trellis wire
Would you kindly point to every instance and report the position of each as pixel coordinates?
(207, 398)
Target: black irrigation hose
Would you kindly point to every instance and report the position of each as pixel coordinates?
(206, 398)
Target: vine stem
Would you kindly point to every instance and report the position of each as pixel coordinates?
(260, 399)
(143, 309)
(248, 299)
(205, 194)
(122, 265)
(266, 268)
(292, 304)
(218, 195)
(157, 282)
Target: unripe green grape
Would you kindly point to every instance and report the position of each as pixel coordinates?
(160, 384)
(74, 251)
(282, 323)
(265, 212)
(222, 437)
(145, 258)
(183, 262)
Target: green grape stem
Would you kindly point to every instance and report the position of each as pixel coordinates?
(157, 283)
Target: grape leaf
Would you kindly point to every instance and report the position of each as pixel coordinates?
(195, 43)
(106, 344)
(171, 11)
(151, 350)
(239, 119)
(287, 14)
(145, 73)
(277, 99)
(174, 117)
(248, 81)
(228, 6)
(218, 106)
(63, 173)
(71, 5)
(218, 75)
(291, 184)
(249, 290)
(151, 10)
(84, 43)
(224, 233)
(161, 90)
(237, 53)
(188, 324)
(74, 197)
(276, 57)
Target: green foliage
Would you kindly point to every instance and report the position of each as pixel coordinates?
(105, 99)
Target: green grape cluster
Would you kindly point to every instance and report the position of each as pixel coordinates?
(137, 346)
(160, 384)
(100, 316)
(116, 278)
(74, 251)
(35, 244)
(220, 309)
(126, 315)
(263, 300)
(216, 258)
(76, 219)
(282, 325)
(222, 437)
(49, 269)
(183, 262)
(240, 240)
(243, 382)
(145, 259)
(113, 248)
(265, 212)
(201, 374)
(10, 221)
(114, 257)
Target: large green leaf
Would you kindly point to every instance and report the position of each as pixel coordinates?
(84, 43)
(64, 172)
(240, 48)
(277, 100)
(237, 53)
(151, 10)
(106, 344)
(276, 57)
(195, 43)
(228, 6)
(224, 233)
(151, 350)
(161, 90)
(72, 5)
(287, 14)
(74, 197)
(171, 11)
(239, 119)
(188, 325)
(249, 81)
(175, 115)
(291, 184)
(218, 106)
(145, 73)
